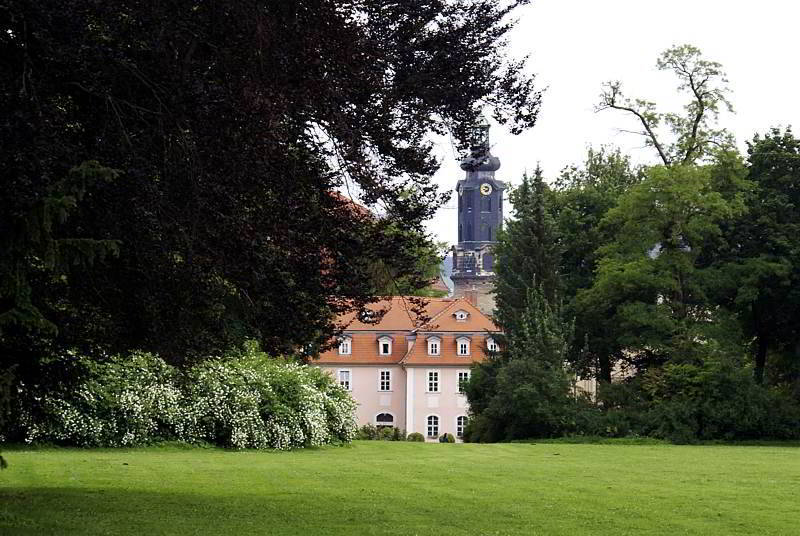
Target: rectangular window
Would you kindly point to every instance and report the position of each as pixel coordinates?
(461, 423)
(433, 381)
(463, 378)
(433, 348)
(344, 379)
(385, 348)
(385, 380)
(433, 426)
(344, 347)
(463, 348)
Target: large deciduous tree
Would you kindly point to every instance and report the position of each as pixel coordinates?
(654, 278)
(581, 197)
(759, 274)
(691, 136)
(229, 125)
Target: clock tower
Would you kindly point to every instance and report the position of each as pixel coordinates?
(480, 216)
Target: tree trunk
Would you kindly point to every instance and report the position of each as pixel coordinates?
(604, 366)
(761, 358)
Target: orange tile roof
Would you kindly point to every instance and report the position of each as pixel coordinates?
(448, 353)
(402, 323)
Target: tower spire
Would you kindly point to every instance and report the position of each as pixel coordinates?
(480, 216)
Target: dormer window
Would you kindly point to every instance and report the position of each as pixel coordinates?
(345, 346)
(434, 346)
(385, 345)
(461, 315)
(492, 345)
(462, 346)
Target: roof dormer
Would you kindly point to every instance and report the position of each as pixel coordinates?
(462, 345)
(434, 345)
(384, 345)
(461, 315)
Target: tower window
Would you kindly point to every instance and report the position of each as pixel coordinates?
(459, 232)
(469, 232)
(489, 233)
(486, 203)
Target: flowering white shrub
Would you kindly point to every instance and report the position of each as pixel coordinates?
(121, 402)
(247, 401)
(255, 402)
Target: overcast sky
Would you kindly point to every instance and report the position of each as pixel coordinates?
(576, 45)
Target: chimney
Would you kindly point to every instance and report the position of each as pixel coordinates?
(472, 296)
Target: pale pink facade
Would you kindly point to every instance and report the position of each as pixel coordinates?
(413, 383)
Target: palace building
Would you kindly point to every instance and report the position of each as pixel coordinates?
(407, 369)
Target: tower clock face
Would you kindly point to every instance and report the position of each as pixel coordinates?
(486, 188)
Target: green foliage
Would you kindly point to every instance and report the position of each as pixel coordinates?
(716, 400)
(580, 200)
(415, 437)
(758, 276)
(653, 279)
(527, 252)
(525, 392)
(448, 438)
(217, 245)
(32, 248)
(384, 433)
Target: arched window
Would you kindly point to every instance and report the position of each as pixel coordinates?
(462, 346)
(461, 424)
(385, 345)
(384, 419)
(486, 203)
(433, 426)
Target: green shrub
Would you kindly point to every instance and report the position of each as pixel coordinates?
(449, 438)
(386, 433)
(415, 436)
(715, 400)
(246, 401)
(123, 401)
(367, 432)
(252, 401)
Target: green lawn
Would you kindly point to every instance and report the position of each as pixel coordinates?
(405, 488)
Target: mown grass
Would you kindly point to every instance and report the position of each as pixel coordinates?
(405, 488)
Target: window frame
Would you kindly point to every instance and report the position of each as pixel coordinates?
(490, 343)
(428, 425)
(385, 339)
(460, 381)
(349, 378)
(465, 341)
(461, 427)
(388, 381)
(346, 342)
(435, 340)
(375, 420)
(429, 381)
